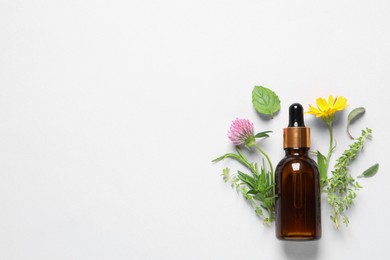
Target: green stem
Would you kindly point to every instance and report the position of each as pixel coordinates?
(271, 215)
(266, 156)
(330, 146)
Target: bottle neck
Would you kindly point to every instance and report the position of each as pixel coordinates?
(302, 151)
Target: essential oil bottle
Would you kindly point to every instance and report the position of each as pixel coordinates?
(297, 184)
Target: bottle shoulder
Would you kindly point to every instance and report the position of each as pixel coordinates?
(293, 159)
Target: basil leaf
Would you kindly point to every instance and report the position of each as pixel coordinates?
(265, 101)
(353, 115)
(370, 171)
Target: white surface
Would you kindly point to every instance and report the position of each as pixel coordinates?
(111, 111)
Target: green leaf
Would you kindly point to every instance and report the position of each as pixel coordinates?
(370, 171)
(246, 179)
(262, 134)
(259, 197)
(259, 212)
(265, 101)
(252, 192)
(353, 115)
(239, 157)
(321, 161)
(225, 174)
(228, 155)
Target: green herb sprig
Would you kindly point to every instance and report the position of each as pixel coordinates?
(256, 187)
(342, 187)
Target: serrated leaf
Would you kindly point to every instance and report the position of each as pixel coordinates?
(370, 171)
(265, 101)
(353, 115)
(262, 134)
(321, 161)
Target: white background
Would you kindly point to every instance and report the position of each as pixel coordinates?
(111, 112)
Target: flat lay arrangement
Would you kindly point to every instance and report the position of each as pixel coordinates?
(290, 194)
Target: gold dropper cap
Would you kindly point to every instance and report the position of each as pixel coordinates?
(296, 135)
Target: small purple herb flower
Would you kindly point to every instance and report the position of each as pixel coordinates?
(242, 132)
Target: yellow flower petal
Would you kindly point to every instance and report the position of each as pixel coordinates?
(322, 105)
(340, 103)
(331, 101)
(313, 110)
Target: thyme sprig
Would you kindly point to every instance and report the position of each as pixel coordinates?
(342, 187)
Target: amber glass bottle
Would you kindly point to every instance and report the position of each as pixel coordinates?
(297, 184)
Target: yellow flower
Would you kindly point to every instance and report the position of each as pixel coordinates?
(326, 109)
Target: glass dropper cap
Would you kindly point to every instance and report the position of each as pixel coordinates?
(296, 135)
